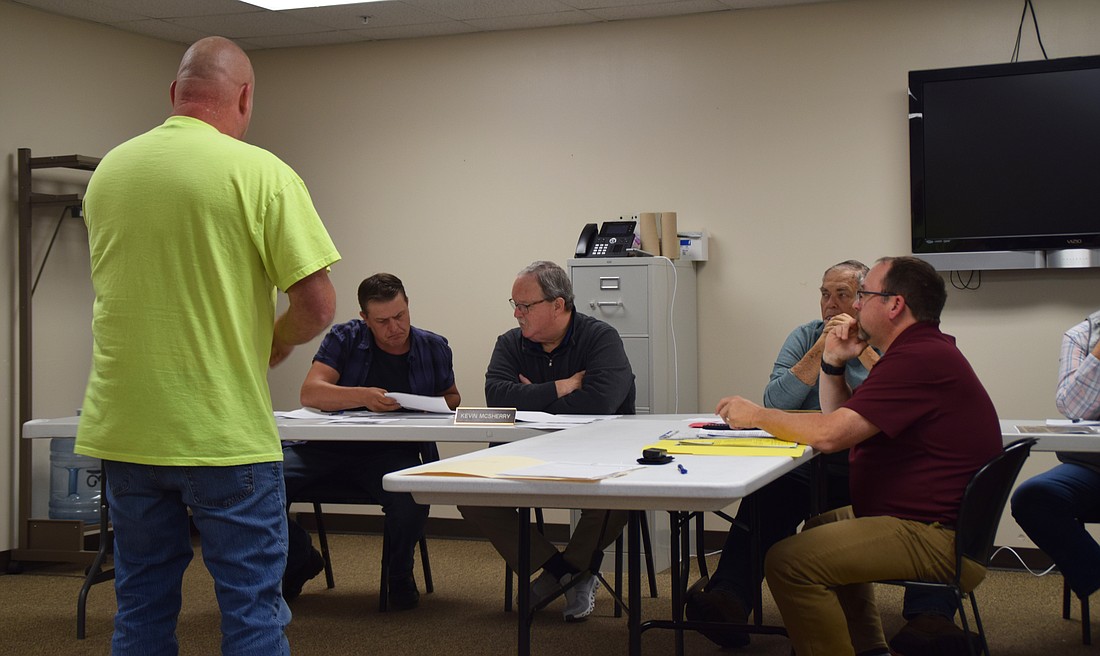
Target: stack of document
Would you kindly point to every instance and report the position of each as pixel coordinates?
(522, 467)
(732, 446)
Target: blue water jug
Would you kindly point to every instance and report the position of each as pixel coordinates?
(74, 482)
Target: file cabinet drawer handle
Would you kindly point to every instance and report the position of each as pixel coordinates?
(595, 304)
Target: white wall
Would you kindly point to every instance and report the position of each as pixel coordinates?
(455, 161)
(67, 87)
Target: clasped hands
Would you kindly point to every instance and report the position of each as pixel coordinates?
(842, 340)
(842, 343)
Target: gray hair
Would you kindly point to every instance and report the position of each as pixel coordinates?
(855, 267)
(553, 281)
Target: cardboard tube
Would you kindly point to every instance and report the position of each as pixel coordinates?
(670, 242)
(651, 243)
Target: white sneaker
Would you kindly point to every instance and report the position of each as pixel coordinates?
(543, 587)
(580, 599)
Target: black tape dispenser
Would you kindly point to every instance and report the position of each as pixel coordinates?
(655, 456)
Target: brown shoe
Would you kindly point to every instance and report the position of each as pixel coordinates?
(929, 634)
(717, 606)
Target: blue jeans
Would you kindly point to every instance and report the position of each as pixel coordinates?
(1051, 508)
(241, 518)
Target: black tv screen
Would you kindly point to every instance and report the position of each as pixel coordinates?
(1006, 156)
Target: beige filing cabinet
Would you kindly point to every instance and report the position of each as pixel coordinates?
(652, 303)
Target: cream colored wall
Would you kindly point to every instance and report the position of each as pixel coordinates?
(455, 161)
(67, 87)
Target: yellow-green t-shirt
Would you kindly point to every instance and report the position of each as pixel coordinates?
(190, 231)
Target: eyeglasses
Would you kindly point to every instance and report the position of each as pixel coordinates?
(863, 292)
(525, 307)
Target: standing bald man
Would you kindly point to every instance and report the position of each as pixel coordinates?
(191, 231)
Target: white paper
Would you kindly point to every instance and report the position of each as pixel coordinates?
(547, 418)
(435, 404)
(572, 471)
(1072, 422)
(734, 432)
(301, 413)
(360, 419)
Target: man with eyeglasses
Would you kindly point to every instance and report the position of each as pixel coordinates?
(918, 428)
(727, 595)
(562, 362)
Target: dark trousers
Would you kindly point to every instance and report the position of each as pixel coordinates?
(355, 470)
(1052, 509)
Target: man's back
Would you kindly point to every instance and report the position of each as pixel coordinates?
(938, 426)
(187, 243)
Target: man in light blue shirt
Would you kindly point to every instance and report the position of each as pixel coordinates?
(793, 383)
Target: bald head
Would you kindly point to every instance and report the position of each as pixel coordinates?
(214, 84)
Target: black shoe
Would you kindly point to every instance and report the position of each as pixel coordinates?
(929, 634)
(293, 581)
(717, 606)
(403, 594)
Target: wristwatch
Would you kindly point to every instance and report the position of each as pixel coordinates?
(830, 370)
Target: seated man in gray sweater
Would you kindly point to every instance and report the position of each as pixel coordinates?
(562, 362)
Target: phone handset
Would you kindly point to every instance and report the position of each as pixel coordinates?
(586, 240)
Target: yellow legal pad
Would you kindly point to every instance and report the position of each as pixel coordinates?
(732, 446)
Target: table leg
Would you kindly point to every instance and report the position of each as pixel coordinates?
(677, 576)
(524, 583)
(95, 572)
(634, 582)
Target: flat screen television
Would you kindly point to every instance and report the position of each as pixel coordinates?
(1006, 157)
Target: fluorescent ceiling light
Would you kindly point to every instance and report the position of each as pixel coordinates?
(280, 5)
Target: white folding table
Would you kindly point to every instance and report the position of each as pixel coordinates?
(710, 483)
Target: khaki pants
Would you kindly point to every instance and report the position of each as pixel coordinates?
(820, 577)
(590, 536)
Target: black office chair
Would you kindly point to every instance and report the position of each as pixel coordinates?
(1086, 623)
(340, 493)
(980, 513)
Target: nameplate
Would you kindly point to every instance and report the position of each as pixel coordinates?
(486, 416)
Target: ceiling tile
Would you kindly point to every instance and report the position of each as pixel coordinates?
(349, 17)
(162, 30)
(88, 10)
(258, 23)
(627, 12)
(532, 21)
(604, 4)
(176, 8)
(471, 9)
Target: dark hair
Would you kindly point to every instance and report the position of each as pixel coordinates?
(920, 284)
(853, 266)
(380, 287)
(553, 281)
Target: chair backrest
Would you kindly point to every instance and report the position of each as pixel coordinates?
(984, 501)
(429, 452)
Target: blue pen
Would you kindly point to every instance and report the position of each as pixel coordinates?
(667, 434)
(683, 469)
